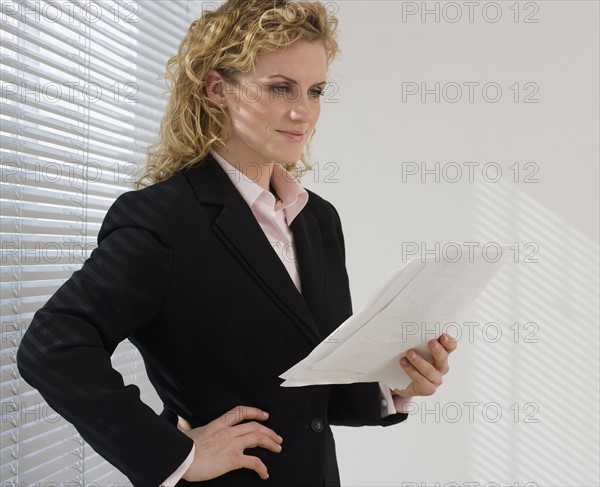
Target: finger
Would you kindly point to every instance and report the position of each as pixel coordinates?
(424, 367)
(252, 427)
(252, 440)
(440, 356)
(421, 386)
(254, 463)
(182, 424)
(241, 413)
(448, 342)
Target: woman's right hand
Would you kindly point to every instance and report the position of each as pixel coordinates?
(219, 445)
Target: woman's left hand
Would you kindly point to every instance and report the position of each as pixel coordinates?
(427, 376)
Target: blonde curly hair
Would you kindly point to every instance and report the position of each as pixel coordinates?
(227, 40)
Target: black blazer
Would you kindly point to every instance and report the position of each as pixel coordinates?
(183, 269)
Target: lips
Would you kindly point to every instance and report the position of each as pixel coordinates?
(293, 135)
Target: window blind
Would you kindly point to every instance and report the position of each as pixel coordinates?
(80, 103)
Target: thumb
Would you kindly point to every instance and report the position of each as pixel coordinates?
(182, 424)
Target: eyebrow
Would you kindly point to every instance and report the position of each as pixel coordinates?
(292, 80)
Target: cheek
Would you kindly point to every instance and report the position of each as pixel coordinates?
(256, 114)
(316, 111)
(271, 111)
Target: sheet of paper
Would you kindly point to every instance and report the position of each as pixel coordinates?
(411, 306)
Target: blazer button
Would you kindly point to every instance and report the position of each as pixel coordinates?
(317, 425)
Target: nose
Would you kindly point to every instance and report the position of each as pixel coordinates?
(304, 109)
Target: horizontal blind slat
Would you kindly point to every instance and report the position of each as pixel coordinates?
(65, 157)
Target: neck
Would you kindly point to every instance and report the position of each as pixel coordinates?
(258, 172)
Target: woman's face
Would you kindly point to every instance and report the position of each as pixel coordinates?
(274, 110)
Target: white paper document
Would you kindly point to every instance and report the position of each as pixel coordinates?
(413, 305)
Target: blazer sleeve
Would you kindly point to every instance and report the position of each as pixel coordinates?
(65, 352)
(356, 404)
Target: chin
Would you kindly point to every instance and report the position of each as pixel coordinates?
(287, 154)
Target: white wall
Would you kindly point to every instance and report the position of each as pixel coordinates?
(369, 134)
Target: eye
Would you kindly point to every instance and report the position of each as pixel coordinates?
(279, 89)
(316, 93)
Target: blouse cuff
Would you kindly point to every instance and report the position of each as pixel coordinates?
(177, 474)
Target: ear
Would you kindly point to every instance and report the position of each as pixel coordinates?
(214, 85)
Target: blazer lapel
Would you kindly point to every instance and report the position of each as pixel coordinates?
(309, 254)
(239, 231)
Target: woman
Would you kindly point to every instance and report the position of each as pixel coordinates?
(224, 273)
